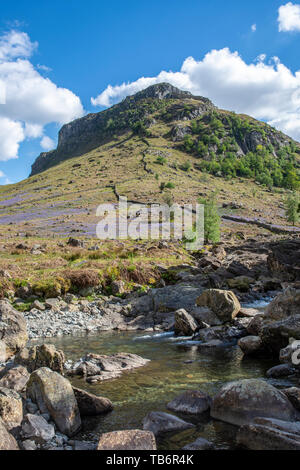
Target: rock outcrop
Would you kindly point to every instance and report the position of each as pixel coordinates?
(223, 303)
(13, 330)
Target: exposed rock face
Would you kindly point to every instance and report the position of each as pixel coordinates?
(199, 444)
(127, 440)
(13, 331)
(11, 408)
(284, 260)
(45, 355)
(184, 323)
(97, 367)
(54, 394)
(91, 405)
(270, 434)
(284, 305)
(7, 441)
(36, 428)
(240, 402)
(191, 402)
(251, 345)
(15, 378)
(223, 303)
(159, 422)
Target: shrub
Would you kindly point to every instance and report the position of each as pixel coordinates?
(82, 278)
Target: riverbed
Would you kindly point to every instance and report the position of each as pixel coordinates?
(177, 364)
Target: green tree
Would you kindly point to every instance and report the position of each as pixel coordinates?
(212, 220)
(292, 208)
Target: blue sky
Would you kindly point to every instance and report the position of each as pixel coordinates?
(50, 47)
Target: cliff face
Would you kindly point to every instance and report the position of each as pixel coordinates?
(171, 106)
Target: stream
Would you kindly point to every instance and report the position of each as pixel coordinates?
(177, 364)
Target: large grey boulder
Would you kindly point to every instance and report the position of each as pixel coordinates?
(184, 323)
(190, 402)
(90, 404)
(36, 428)
(13, 331)
(285, 304)
(270, 434)
(172, 298)
(221, 302)
(54, 395)
(251, 345)
(134, 439)
(159, 422)
(241, 401)
(7, 441)
(276, 334)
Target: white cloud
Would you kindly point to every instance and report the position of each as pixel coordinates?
(2, 175)
(31, 100)
(289, 17)
(47, 143)
(268, 91)
(253, 28)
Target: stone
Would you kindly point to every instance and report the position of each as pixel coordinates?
(172, 298)
(184, 323)
(241, 283)
(223, 303)
(91, 405)
(283, 370)
(251, 345)
(117, 287)
(54, 394)
(101, 367)
(159, 422)
(276, 334)
(84, 445)
(293, 394)
(134, 439)
(13, 330)
(29, 445)
(15, 378)
(269, 434)
(35, 427)
(45, 355)
(7, 441)
(255, 325)
(38, 305)
(284, 258)
(241, 401)
(190, 402)
(11, 408)
(199, 444)
(204, 315)
(284, 305)
(75, 242)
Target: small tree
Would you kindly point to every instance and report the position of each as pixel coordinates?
(212, 220)
(292, 208)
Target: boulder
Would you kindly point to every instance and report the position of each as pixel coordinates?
(159, 422)
(241, 283)
(284, 305)
(251, 345)
(54, 394)
(96, 367)
(255, 325)
(45, 355)
(191, 402)
(11, 408)
(223, 303)
(174, 297)
(276, 334)
(134, 439)
(293, 394)
(13, 330)
(269, 434)
(15, 378)
(36, 428)
(199, 444)
(184, 323)
(91, 405)
(204, 315)
(283, 370)
(117, 287)
(241, 401)
(7, 441)
(284, 260)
